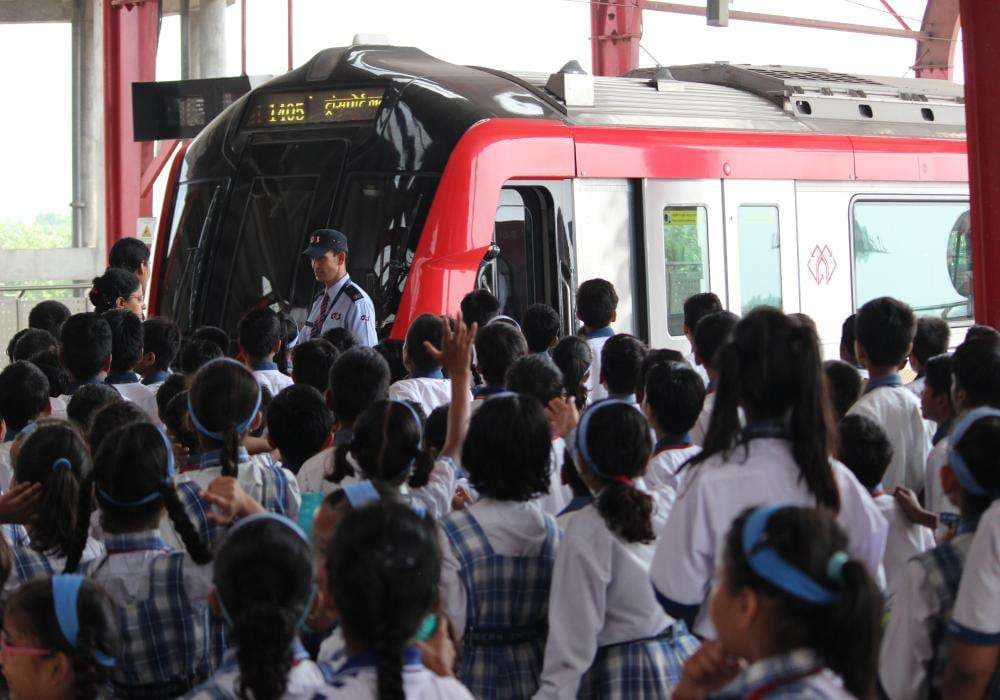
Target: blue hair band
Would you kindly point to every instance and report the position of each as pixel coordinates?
(584, 426)
(956, 461)
(242, 427)
(109, 500)
(65, 593)
(772, 567)
(62, 463)
(361, 494)
(291, 525)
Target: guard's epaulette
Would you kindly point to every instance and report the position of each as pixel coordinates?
(353, 292)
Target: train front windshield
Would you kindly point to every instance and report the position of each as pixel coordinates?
(237, 243)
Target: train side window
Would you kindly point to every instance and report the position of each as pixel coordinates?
(916, 251)
(760, 257)
(685, 247)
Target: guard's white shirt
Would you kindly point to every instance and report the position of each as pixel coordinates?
(935, 499)
(418, 684)
(600, 595)
(977, 612)
(343, 312)
(700, 429)
(897, 411)
(664, 469)
(272, 379)
(904, 541)
(513, 528)
(426, 391)
(716, 491)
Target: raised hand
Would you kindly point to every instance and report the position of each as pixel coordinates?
(230, 501)
(455, 355)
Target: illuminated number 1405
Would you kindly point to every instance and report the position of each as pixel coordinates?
(287, 112)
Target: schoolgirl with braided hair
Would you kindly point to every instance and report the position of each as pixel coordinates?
(161, 595)
(608, 637)
(224, 404)
(54, 457)
(264, 589)
(382, 571)
(60, 639)
(796, 615)
(771, 370)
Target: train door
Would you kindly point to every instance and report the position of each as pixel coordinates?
(761, 245)
(685, 252)
(531, 257)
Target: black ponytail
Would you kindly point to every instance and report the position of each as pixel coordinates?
(573, 356)
(56, 457)
(229, 457)
(225, 398)
(772, 368)
(844, 634)
(617, 442)
(423, 465)
(264, 581)
(185, 529)
(342, 467)
(84, 509)
(383, 567)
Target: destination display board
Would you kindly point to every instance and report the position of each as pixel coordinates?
(314, 107)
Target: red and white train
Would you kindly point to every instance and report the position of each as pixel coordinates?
(805, 189)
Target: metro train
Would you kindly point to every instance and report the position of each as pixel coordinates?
(805, 189)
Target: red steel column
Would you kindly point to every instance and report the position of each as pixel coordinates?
(981, 46)
(615, 31)
(130, 37)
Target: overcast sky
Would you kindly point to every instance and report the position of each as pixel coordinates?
(508, 34)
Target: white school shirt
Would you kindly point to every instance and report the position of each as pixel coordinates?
(597, 391)
(142, 396)
(935, 499)
(436, 495)
(663, 468)
(716, 491)
(600, 595)
(268, 375)
(333, 650)
(897, 411)
(976, 616)
(917, 386)
(419, 683)
(513, 528)
(429, 392)
(57, 406)
(700, 429)
(904, 540)
(559, 494)
(303, 679)
(311, 476)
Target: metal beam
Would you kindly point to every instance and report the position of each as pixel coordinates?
(130, 38)
(805, 22)
(896, 16)
(153, 170)
(615, 31)
(936, 54)
(980, 25)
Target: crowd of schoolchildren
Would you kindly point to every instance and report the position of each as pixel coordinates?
(493, 510)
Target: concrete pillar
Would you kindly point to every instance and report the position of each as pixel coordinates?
(91, 127)
(208, 39)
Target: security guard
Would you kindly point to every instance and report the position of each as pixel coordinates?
(342, 304)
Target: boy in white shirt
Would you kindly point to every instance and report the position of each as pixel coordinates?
(697, 307)
(621, 362)
(126, 351)
(597, 308)
(672, 403)
(865, 450)
(931, 338)
(498, 347)
(885, 328)
(299, 425)
(426, 383)
(259, 333)
(24, 398)
(161, 342)
(713, 331)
